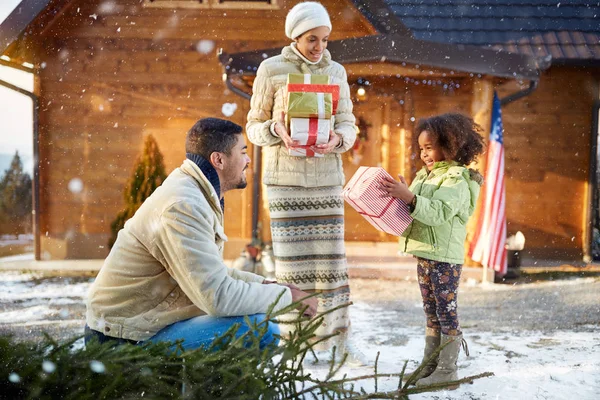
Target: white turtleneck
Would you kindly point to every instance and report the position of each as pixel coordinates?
(306, 60)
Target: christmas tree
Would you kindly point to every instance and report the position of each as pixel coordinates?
(15, 199)
(230, 368)
(148, 174)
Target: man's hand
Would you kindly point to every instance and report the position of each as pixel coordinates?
(297, 295)
(310, 303)
(290, 285)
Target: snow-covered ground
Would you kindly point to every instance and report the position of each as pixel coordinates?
(528, 363)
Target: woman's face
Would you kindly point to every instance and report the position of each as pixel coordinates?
(313, 43)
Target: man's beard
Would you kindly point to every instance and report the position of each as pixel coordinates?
(242, 184)
(243, 181)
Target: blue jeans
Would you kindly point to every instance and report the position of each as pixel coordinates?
(198, 331)
(201, 331)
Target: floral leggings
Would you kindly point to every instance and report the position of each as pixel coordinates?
(439, 288)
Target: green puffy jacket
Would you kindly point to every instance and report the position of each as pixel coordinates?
(446, 198)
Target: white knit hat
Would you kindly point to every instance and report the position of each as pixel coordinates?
(305, 16)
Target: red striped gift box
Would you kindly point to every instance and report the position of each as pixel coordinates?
(386, 213)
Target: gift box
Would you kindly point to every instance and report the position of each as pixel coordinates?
(386, 213)
(334, 90)
(309, 132)
(309, 105)
(308, 78)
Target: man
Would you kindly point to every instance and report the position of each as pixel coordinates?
(165, 279)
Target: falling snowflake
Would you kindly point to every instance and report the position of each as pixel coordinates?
(205, 46)
(97, 366)
(48, 366)
(63, 54)
(228, 109)
(451, 306)
(14, 378)
(108, 7)
(173, 21)
(75, 185)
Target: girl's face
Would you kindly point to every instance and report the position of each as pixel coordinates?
(431, 152)
(313, 43)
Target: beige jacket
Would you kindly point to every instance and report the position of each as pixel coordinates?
(268, 103)
(167, 266)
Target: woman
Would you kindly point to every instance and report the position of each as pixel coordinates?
(304, 193)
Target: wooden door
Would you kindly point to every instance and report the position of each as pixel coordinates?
(384, 141)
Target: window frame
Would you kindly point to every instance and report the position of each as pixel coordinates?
(214, 4)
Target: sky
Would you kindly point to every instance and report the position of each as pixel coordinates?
(15, 108)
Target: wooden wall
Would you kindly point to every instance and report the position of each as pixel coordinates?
(392, 107)
(110, 75)
(547, 147)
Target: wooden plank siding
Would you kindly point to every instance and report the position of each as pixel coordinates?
(109, 76)
(547, 142)
(392, 107)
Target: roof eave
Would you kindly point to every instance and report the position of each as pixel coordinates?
(14, 25)
(397, 49)
(576, 62)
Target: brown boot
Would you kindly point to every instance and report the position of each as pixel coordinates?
(446, 369)
(432, 342)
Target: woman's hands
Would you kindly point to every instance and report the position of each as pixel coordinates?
(289, 143)
(397, 189)
(283, 134)
(334, 141)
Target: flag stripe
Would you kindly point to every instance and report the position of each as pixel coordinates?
(488, 246)
(497, 211)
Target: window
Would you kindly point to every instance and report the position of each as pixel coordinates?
(220, 4)
(176, 3)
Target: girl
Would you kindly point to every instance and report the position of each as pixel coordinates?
(441, 199)
(305, 193)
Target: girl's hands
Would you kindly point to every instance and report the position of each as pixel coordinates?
(283, 134)
(397, 189)
(328, 147)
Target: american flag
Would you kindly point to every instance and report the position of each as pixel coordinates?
(488, 243)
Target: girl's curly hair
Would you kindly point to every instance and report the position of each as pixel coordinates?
(458, 136)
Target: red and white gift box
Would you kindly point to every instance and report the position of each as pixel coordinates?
(334, 90)
(309, 132)
(386, 213)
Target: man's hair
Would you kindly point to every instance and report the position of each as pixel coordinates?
(212, 134)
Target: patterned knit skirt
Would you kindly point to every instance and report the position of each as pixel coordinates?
(307, 230)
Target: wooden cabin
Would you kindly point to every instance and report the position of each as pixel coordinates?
(110, 72)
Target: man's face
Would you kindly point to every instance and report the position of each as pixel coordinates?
(235, 165)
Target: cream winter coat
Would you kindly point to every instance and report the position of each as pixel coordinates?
(167, 266)
(267, 104)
